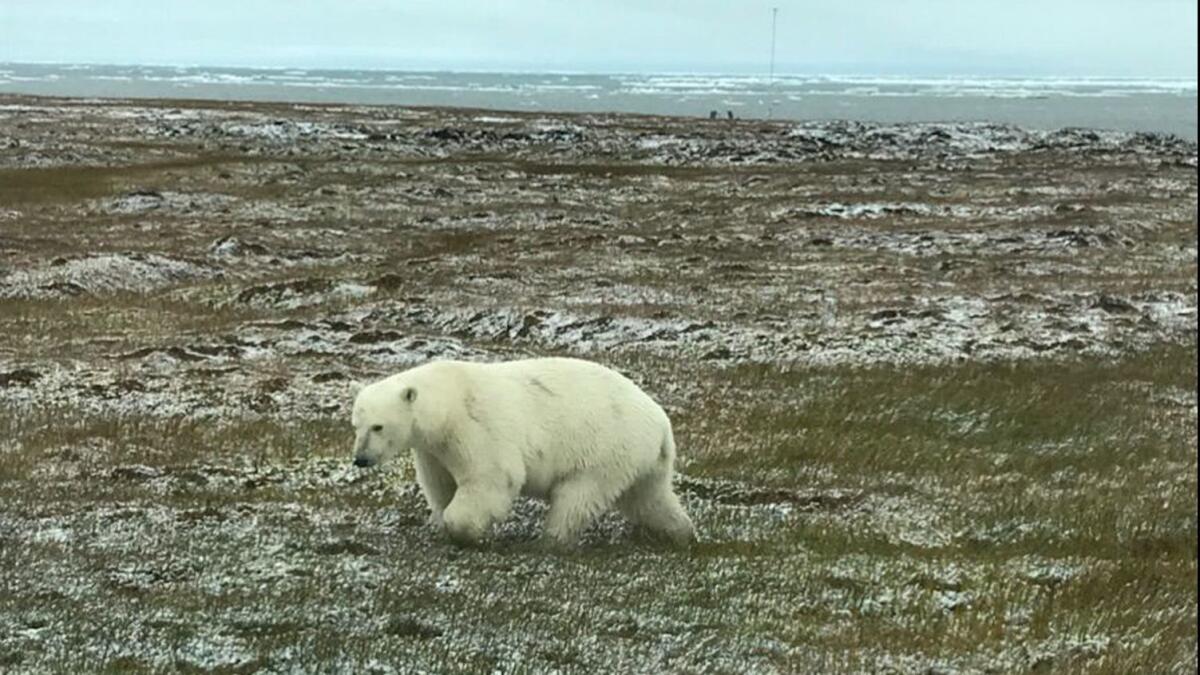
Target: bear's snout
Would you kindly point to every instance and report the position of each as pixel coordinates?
(362, 462)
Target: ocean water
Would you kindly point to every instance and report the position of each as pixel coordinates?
(1149, 104)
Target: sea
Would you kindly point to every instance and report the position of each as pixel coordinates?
(1164, 105)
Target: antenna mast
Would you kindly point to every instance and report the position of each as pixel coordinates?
(771, 72)
(774, 17)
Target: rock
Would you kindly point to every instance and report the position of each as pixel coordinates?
(374, 336)
(409, 627)
(1113, 304)
(135, 472)
(21, 377)
(346, 547)
(329, 376)
(718, 353)
(232, 246)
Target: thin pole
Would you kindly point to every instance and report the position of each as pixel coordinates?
(774, 17)
(771, 72)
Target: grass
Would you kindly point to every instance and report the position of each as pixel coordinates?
(1029, 417)
(969, 516)
(1067, 541)
(73, 184)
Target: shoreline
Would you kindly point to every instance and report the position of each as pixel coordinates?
(1031, 103)
(11, 98)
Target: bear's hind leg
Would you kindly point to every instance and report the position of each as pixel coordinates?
(574, 504)
(651, 503)
(436, 483)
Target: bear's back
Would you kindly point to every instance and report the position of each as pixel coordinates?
(551, 376)
(552, 386)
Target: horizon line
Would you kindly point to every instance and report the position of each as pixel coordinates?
(523, 71)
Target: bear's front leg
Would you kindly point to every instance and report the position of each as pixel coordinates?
(437, 485)
(475, 507)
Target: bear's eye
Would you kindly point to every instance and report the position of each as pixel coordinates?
(377, 427)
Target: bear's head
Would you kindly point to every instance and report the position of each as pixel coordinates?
(383, 419)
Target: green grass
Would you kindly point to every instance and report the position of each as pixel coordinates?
(72, 184)
(961, 422)
(1064, 495)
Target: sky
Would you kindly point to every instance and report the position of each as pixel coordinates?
(1119, 38)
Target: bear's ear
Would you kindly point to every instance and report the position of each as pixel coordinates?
(355, 386)
(409, 394)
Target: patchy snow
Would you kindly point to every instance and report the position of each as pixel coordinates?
(102, 273)
(144, 201)
(497, 119)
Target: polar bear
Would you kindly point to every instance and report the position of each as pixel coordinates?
(569, 431)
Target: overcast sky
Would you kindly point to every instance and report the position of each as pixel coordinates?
(901, 37)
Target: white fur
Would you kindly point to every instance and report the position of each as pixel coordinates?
(573, 432)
